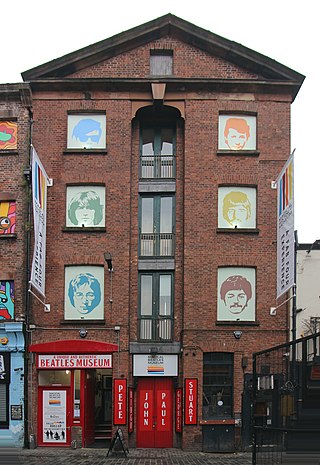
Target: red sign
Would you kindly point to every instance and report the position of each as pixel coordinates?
(190, 401)
(164, 410)
(131, 411)
(75, 361)
(179, 410)
(146, 400)
(120, 401)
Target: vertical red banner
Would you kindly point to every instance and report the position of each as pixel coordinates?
(120, 401)
(190, 401)
(146, 412)
(130, 410)
(164, 410)
(179, 410)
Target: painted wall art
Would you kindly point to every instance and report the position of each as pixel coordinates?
(237, 132)
(8, 135)
(86, 131)
(85, 206)
(7, 217)
(237, 207)
(6, 300)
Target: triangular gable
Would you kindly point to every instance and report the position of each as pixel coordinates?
(166, 25)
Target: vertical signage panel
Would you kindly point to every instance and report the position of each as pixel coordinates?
(178, 410)
(190, 401)
(120, 402)
(130, 410)
(146, 412)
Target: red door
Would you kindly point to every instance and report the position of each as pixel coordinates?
(155, 412)
(54, 416)
(89, 406)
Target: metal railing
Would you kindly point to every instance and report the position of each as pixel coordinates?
(156, 244)
(155, 329)
(157, 167)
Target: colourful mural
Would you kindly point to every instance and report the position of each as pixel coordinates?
(6, 300)
(7, 217)
(237, 133)
(8, 135)
(87, 131)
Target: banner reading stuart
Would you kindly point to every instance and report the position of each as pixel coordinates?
(39, 198)
(285, 226)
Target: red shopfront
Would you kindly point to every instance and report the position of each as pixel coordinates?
(74, 391)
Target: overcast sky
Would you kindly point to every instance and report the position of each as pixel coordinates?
(34, 32)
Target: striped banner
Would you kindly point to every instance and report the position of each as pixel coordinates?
(39, 199)
(285, 228)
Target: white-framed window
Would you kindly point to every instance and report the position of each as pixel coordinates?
(86, 131)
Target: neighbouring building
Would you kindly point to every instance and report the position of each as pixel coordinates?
(15, 104)
(163, 144)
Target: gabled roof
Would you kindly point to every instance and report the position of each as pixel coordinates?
(165, 25)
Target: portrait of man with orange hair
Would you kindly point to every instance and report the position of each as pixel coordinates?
(237, 133)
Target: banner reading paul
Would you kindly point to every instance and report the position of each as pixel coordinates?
(285, 228)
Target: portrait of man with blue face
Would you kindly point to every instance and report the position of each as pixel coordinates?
(87, 131)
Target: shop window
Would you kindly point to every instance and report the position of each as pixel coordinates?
(54, 378)
(84, 291)
(156, 306)
(217, 399)
(6, 300)
(157, 226)
(237, 207)
(8, 135)
(85, 206)
(237, 132)
(7, 217)
(161, 62)
(236, 294)
(86, 131)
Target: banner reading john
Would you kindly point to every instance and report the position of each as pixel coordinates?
(285, 227)
(39, 198)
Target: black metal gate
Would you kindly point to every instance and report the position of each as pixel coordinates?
(286, 403)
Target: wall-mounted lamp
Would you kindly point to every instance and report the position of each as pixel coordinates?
(83, 333)
(237, 334)
(108, 259)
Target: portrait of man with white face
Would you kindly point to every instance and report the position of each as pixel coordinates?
(237, 132)
(236, 294)
(84, 291)
(85, 206)
(237, 207)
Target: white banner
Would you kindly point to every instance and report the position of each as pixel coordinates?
(285, 227)
(39, 198)
(74, 361)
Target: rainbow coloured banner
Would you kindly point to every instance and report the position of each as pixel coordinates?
(285, 228)
(39, 197)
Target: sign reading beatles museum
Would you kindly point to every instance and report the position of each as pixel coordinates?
(74, 361)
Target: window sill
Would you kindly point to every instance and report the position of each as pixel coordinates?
(242, 153)
(8, 236)
(8, 152)
(84, 321)
(222, 421)
(238, 230)
(85, 151)
(84, 229)
(237, 323)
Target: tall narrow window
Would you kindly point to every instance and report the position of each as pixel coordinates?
(161, 62)
(156, 226)
(156, 306)
(217, 398)
(157, 159)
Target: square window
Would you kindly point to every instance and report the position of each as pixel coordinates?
(8, 135)
(237, 132)
(6, 300)
(237, 207)
(86, 131)
(7, 217)
(161, 62)
(236, 294)
(85, 206)
(84, 292)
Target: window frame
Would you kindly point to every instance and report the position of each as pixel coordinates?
(155, 315)
(158, 65)
(78, 146)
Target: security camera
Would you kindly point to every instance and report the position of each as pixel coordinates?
(83, 333)
(237, 334)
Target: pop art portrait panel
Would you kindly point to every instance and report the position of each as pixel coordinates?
(6, 300)
(8, 135)
(7, 217)
(86, 131)
(236, 294)
(237, 132)
(84, 292)
(85, 206)
(237, 207)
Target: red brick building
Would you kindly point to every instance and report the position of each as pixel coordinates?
(162, 143)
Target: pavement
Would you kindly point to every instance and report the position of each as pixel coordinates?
(60, 456)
